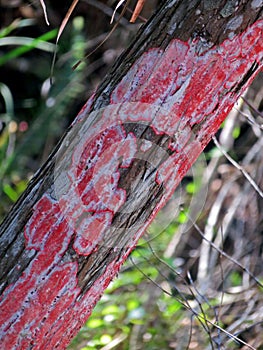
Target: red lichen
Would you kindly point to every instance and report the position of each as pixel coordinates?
(171, 91)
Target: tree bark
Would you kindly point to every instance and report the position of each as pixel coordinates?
(118, 164)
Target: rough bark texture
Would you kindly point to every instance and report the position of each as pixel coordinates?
(119, 163)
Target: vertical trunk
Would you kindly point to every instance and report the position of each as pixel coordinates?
(119, 163)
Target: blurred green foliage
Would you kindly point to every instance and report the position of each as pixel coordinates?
(29, 130)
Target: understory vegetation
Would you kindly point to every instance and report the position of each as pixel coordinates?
(195, 280)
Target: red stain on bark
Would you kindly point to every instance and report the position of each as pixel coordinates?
(171, 91)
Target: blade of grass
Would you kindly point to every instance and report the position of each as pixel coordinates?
(28, 45)
(10, 192)
(8, 99)
(17, 23)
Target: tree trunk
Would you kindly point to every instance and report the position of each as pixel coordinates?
(119, 163)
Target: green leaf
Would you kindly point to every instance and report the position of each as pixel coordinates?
(94, 323)
(105, 339)
(111, 309)
(132, 304)
(174, 307)
(182, 217)
(191, 188)
(10, 192)
(236, 132)
(235, 278)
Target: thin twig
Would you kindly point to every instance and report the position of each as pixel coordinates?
(223, 293)
(200, 317)
(252, 107)
(251, 120)
(150, 279)
(220, 251)
(239, 167)
(106, 38)
(206, 323)
(143, 19)
(191, 333)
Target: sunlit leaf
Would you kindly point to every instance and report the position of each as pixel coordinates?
(105, 339)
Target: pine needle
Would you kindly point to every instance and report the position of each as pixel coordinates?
(137, 10)
(42, 2)
(107, 37)
(116, 8)
(60, 31)
(66, 19)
